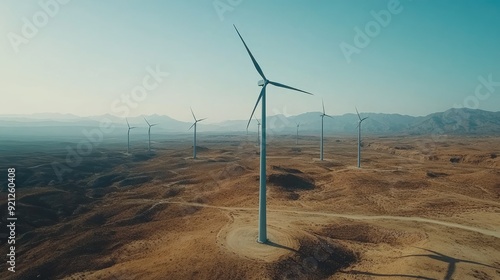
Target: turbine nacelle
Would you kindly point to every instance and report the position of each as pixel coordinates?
(195, 119)
(359, 117)
(362, 119)
(324, 114)
(261, 83)
(129, 127)
(150, 125)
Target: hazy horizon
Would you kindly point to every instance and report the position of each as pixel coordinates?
(40, 114)
(427, 57)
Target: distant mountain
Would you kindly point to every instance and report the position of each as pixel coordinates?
(459, 121)
(453, 121)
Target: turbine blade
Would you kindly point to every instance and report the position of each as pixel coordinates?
(323, 103)
(251, 56)
(201, 120)
(363, 119)
(420, 255)
(147, 121)
(357, 113)
(262, 91)
(328, 116)
(288, 87)
(194, 117)
(437, 253)
(191, 126)
(127, 123)
(154, 124)
(473, 262)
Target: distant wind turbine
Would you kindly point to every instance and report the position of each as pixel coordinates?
(322, 117)
(258, 131)
(359, 136)
(194, 124)
(297, 137)
(128, 136)
(149, 133)
(262, 238)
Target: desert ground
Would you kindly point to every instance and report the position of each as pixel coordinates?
(419, 208)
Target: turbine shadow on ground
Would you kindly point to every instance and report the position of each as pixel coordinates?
(452, 262)
(276, 245)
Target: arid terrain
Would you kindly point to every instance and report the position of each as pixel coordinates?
(419, 208)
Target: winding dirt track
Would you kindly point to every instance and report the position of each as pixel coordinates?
(348, 216)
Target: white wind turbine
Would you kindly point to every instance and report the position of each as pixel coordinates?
(258, 131)
(297, 136)
(322, 118)
(128, 136)
(262, 238)
(359, 136)
(194, 124)
(149, 133)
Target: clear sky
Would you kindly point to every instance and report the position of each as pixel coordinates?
(85, 55)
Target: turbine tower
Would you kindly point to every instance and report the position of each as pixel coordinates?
(297, 137)
(359, 136)
(262, 238)
(194, 124)
(322, 118)
(149, 134)
(258, 132)
(128, 136)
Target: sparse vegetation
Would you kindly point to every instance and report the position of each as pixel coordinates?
(455, 159)
(172, 191)
(403, 147)
(433, 174)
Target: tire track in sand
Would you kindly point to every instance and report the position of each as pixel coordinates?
(349, 216)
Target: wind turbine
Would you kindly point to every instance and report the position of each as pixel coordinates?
(262, 238)
(128, 136)
(194, 124)
(149, 134)
(359, 136)
(322, 117)
(258, 131)
(297, 137)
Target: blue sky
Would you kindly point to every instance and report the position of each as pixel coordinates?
(88, 54)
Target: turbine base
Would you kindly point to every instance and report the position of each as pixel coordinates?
(265, 242)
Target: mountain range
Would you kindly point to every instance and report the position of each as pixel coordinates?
(452, 121)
